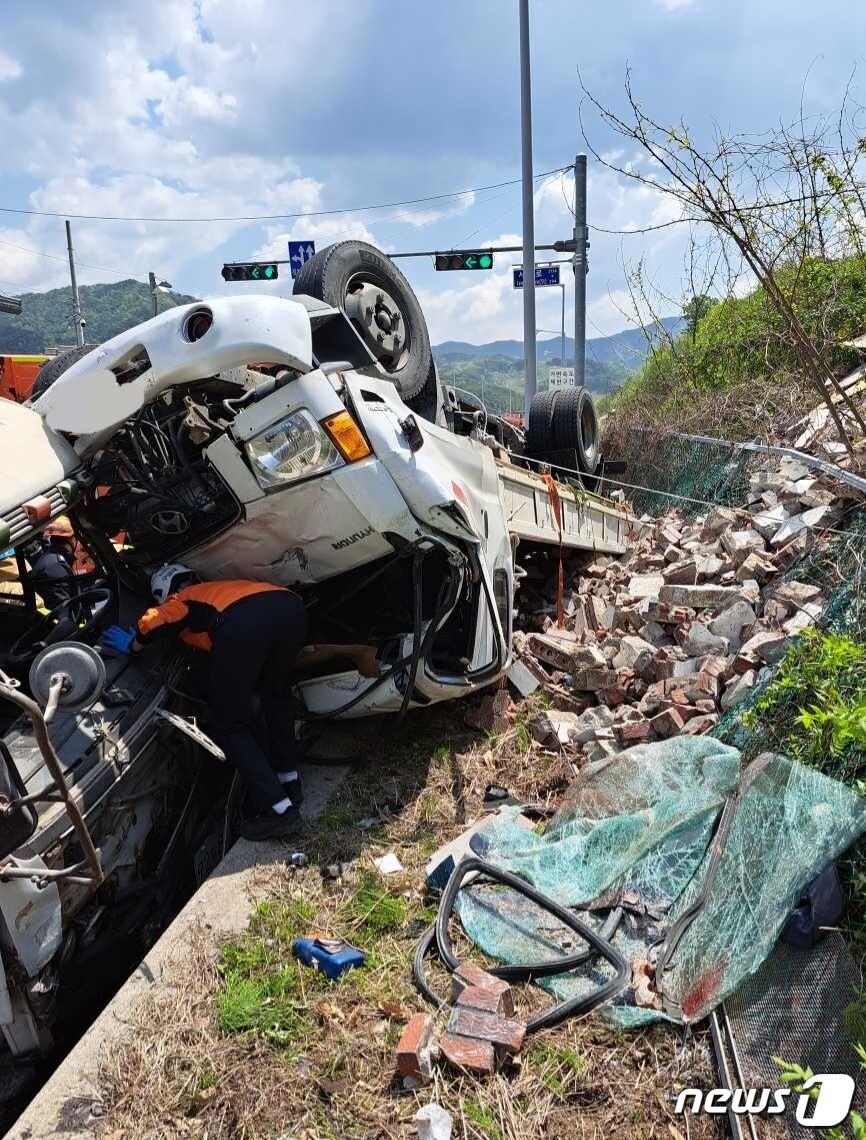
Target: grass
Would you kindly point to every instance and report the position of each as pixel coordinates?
(252, 1045)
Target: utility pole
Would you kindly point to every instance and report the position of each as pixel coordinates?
(156, 287)
(76, 303)
(581, 268)
(529, 357)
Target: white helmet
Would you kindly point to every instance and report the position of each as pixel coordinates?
(166, 579)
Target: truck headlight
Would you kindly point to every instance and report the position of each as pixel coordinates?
(292, 449)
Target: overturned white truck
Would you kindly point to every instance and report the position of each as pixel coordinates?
(305, 441)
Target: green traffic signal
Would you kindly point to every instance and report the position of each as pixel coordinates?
(469, 259)
(250, 271)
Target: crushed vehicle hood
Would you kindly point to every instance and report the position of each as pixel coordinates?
(32, 456)
(108, 385)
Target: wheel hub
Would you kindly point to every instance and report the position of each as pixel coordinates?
(377, 317)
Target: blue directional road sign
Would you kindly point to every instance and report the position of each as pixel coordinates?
(299, 252)
(544, 275)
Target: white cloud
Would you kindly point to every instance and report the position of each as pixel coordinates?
(9, 68)
(675, 5)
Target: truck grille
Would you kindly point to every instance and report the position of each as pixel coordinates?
(19, 524)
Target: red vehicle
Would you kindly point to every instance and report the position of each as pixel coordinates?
(17, 373)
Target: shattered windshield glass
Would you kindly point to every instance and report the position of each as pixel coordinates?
(652, 831)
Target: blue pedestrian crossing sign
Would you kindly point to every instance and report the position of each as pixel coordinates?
(299, 252)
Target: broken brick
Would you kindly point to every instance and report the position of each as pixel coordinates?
(467, 976)
(467, 1053)
(700, 724)
(413, 1048)
(613, 695)
(632, 732)
(507, 1034)
(667, 723)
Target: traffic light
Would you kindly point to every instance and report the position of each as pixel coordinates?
(466, 259)
(251, 271)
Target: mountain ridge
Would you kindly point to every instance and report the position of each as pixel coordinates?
(627, 347)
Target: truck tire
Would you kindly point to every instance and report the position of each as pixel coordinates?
(51, 369)
(539, 433)
(575, 427)
(378, 300)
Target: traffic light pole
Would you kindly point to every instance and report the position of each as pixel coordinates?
(581, 268)
(529, 357)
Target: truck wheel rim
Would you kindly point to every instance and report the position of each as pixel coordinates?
(380, 321)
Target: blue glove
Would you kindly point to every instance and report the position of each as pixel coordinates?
(118, 638)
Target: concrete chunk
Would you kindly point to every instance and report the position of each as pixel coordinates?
(810, 520)
(740, 543)
(767, 523)
(645, 585)
(683, 573)
(803, 618)
(738, 690)
(699, 641)
(589, 722)
(720, 518)
(700, 597)
(634, 653)
(698, 725)
(732, 622)
(769, 647)
(795, 593)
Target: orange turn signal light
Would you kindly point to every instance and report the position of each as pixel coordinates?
(347, 436)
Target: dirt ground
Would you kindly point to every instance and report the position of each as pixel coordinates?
(254, 1045)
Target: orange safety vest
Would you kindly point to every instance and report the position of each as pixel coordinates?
(193, 610)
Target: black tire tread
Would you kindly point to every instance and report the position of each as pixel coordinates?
(54, 368)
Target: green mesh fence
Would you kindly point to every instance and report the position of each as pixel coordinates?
(655, 463)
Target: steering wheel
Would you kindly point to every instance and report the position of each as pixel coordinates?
(45, 632)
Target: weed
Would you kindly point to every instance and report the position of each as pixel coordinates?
(373, 909)
(482, 1117)
(816, 705)
(558, 1066)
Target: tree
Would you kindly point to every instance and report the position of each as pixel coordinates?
(775, 202)
(694, 311)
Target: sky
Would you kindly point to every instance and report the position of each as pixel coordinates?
(201, 109)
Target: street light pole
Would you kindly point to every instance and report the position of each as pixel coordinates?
(581, 268)
(562, 337)
(529, 356)
(76, 303)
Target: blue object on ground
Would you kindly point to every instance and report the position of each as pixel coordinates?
(332, 957)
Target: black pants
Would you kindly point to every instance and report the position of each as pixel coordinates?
(254, 646)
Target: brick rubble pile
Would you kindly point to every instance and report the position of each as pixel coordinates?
(664, 640)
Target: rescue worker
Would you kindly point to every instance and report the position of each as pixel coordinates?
(52, 558)
(253, 632)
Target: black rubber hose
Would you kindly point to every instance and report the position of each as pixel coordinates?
(598, 944)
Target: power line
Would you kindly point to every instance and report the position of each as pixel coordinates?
(275, 217)
(57, 257)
